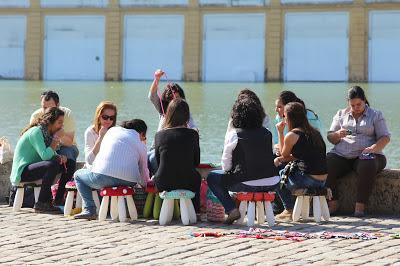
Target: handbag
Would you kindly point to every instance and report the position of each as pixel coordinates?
(6, 153)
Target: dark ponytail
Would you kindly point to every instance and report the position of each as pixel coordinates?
(290, 97)
(356, 92)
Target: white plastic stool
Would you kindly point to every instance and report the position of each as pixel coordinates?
(69, 201)
(188, 214)
(117, 208)
(320, 205)
(256, 204)
(19, 195)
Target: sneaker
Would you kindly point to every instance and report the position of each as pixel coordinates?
(286, 215)
(46, 207)
(232, 216)
(86, 214)
(359, 214)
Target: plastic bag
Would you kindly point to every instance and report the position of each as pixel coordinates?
(6, 153)
(215, 210)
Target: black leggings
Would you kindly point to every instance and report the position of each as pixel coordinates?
(66, 175)
(45, 170)
(366, 171)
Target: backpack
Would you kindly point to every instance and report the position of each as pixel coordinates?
(29, 197)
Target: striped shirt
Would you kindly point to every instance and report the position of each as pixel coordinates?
(366, 130)
(122, 155)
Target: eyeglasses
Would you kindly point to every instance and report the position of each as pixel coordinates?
(108, 117)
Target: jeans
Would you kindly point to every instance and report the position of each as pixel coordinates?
(366, 171)
(296, 181)
(45, 170)
(86, 180)
(214, 180)
(71, 152)
(152, 162)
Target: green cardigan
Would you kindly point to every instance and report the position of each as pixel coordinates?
(30, 149)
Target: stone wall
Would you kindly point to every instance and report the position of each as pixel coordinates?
(385, 198)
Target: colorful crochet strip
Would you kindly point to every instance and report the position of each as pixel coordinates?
(258, 233)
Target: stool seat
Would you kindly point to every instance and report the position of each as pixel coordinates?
(70, 185)
(254, 203)
(311, 192)
(117, 208)
(116, 191)
(188, 214)
(177, 194)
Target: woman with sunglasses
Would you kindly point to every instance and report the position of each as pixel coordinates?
(105, 117)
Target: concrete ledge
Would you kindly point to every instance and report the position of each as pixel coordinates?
(385, 197)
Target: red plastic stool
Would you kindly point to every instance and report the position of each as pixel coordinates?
(256, 202)
(117, 209)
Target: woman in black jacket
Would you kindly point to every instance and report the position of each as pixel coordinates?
(177, 152)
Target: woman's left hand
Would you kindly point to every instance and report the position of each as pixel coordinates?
(277, 162)
(369, 149)
(280, 126)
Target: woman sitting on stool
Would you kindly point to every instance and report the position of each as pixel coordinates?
(247, 160)
(177, 152)
(35, 157)
(303, 145)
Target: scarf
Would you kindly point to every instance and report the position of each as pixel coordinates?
(46, 135)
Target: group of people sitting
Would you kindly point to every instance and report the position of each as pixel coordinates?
(253, 158)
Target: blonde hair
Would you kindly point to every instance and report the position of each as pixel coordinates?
(99, 110)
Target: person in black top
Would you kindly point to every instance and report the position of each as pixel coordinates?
(247, 159)
(303, 145)
(177, 152)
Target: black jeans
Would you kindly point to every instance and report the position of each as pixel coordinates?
(45, 170)
(366, 171)
(66, 175)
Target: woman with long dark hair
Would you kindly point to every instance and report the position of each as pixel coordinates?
(247, 159)
(359, 134)
(177, 152)
(35, 156)
(303, 145)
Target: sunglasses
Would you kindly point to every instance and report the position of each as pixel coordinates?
(108, 117)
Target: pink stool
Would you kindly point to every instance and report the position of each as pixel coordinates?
(117, 209)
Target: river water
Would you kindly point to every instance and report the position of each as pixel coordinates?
(210, 105)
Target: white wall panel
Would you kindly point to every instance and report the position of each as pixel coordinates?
(316, 46)
(74, 3)
(315, 1)
(152, 42)
(234, 51)
(153, 2)
(14, 3)
(384, 46)
(74, 48)
(12, 46)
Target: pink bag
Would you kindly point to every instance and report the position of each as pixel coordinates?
(203, 200)
(215, 210)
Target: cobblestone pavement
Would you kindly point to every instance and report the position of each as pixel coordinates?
(30, 238)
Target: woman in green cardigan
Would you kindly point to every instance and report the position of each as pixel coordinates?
(35, 157)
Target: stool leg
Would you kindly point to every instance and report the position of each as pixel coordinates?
(242, 210)
(36, 191)
(114, 208)
(19, 198)
(192, 212)
(104, 208)
(316, 209)
(324, 208)
(131, 207)
(69, 201)
(157, 206)
(148, 206)
(251, 213)
(269, 212)
(96, 200)
(305, 210)
(78, 200)
(184, 212)
(121, 209)
(297, 208)
(166, 208)
(171, 207)
(260, 212)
